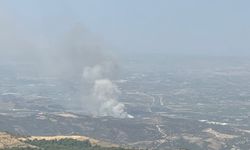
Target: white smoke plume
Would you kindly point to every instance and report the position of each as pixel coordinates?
(104, 93)
(71, 54)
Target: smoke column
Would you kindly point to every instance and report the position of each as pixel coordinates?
(104, 92)
(70, 54)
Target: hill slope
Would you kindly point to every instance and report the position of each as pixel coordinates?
(11, 142)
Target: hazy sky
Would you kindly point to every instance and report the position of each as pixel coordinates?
(217, 27)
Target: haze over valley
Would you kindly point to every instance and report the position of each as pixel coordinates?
(180, 86)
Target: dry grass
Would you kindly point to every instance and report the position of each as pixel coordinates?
(74, 137)
(9, 141)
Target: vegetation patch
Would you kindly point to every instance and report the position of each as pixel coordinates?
(64, 144)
